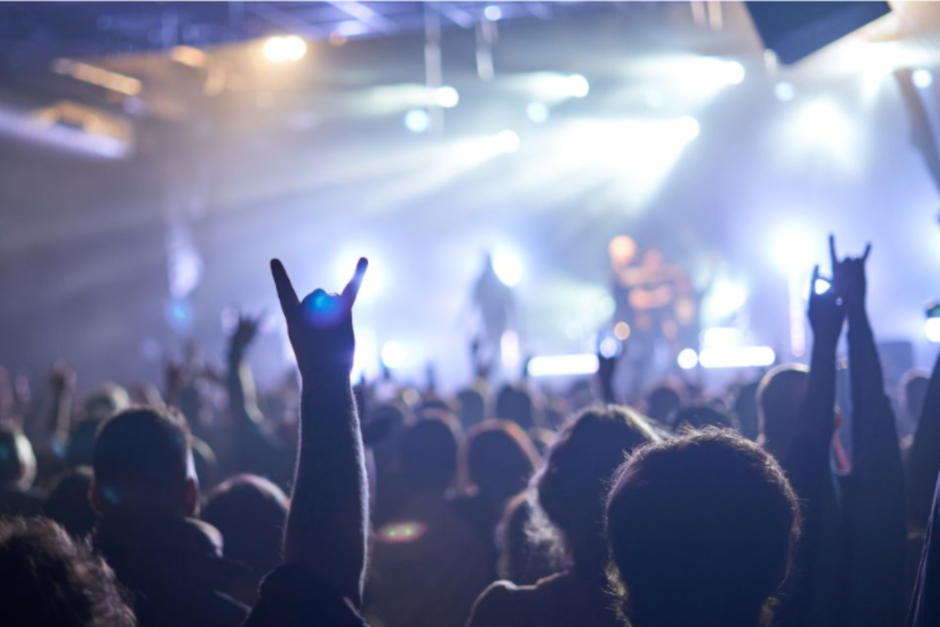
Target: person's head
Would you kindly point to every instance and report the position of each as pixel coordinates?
(143, 463)
(250, 512)
(497, 458)
(17, 461)
(699, 416)
(68, 504)
(49, 580)
(428, 451)
(745, 409)
(514, 403)
(471, 406)
(574, 479)
(701, 530)
(913, 392)
(780, 397)
(105, 401)
(662, 401)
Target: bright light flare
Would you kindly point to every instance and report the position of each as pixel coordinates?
(284, 48)
(687, 359)
(493, 13)
(508, 266)
(563, 365)
(724, 299)
(932, 329)
(737, 357)
(577, 85)
(922, 78)
(393, 354)
(446, 97)
(608, 347)
(550, 87)
(784, 91)
(537, 112)
(792, 249)
(417, 120)
(509, 351)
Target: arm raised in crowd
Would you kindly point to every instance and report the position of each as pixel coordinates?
(924, 459)
(326, 525)
(874, 504)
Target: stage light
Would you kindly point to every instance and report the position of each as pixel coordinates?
(578, 86)
(537, 112)
(932, 329)
(784, 91)
(733, 73)
(922, 78)
(792, 249)
(417, 120)
(283, 48)
(622, 331)
(507, 266)
(608, 347)
(393, 355)
(622, 250)
(493, 13)
(179, 314)
(687, 128)
(737, 357)
(687, 359)
(446, 97)
(509, 350)
(724, 299)
(505, 141)
(562, 365)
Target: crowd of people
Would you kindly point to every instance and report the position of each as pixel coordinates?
(330, 502)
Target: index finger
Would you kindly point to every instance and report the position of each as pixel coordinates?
(285, 291)
(867, 250)
(832, 252)
(352, 288)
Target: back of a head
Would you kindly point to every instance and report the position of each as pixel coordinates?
(498, 458)
(514, 403)
(745, 409)
(707, 518)
(914, 386)
(699, 416)
(68, 505)
(17, 461)
(576, 474)
(250, 512)
(471, 406)
(49, 580)
(143, 461)
(780, 397)
(428, 451)
(662, 401)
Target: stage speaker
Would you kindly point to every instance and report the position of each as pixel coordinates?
(794, 30)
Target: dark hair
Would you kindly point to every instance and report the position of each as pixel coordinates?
(142, 458)
(250, 512)
(428, 451)
(49, 580)
(778, 401)
(514, 403)
(471, 406)
(68, 503)
(574, 479)
(17, 461)
(701, 530)
(498, 458)
(700, 416)
(745, 409)
(662, 401)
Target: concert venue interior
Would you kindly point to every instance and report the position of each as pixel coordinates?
(155, 156)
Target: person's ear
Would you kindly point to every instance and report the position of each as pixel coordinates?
(191, 497)
(94, 497)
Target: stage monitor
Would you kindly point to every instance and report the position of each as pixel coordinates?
(794, 30)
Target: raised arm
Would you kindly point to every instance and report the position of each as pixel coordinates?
(326, 525)
(874, 504)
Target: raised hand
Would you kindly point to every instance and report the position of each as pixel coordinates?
(61, 377)
(853, 276)
(827, 309)
(246, 329)
(320, 326)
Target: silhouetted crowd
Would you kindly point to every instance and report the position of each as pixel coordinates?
(801, 496)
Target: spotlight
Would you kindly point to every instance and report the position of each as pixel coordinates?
(784, 91)
(622, 331)
(687, 128)
(608, 347)
(578, 86)
(537, 112)
(417, 120)
(508, 267)
(493, 13)
(393, 355)
(922, 78)
(733, 73)
(932, 329)
(792, 250)
(687, 359)
(725, 298)
(562, 365)
(446, 97)
(505, 141)
(282, 48)
(509, 350)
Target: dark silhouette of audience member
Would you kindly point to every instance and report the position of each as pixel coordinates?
(68, 503)
(571, 487)
(471, 406)
(145, 491)
(701, 529)
(780, 398)
(320, 582)
(497, 460)
(49, 580)
(700, 416)
(515, 403)
(923, 458)
(250, 512)
(523, 559)
(744, 405)
(429, 562)
(17, 471)
(664, 399)
(913, 392)
(925, 602)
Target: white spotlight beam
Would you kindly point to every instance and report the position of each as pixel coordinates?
(563, 365)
